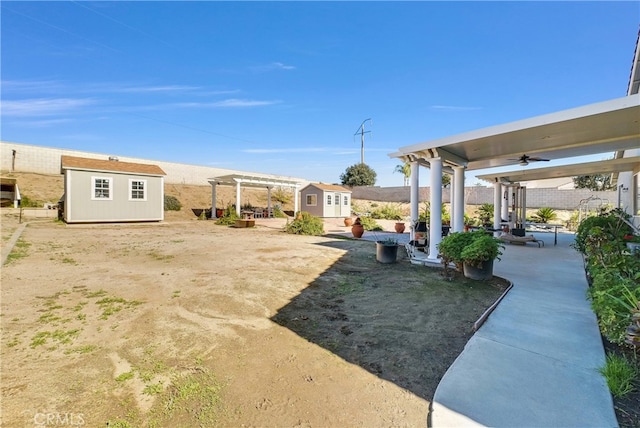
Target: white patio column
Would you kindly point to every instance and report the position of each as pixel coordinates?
(497, 205)
(435, 225)
(414, 196)
(214, 187)
(505, 202)
(457, 199)
(295, 200)
(238, 198)
(268, 201)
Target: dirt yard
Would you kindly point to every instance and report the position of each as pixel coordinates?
(186, 323)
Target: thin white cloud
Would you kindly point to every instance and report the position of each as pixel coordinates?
(286, 150)
(274, 66)
(43, 106)
(40, 123)
(229, 103)
(453, 108)
(165, 88)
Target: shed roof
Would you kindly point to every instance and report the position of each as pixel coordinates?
(87, 164)
(329, 187)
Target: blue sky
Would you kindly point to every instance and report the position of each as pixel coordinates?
(281, 87)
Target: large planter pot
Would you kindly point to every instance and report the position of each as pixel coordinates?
(357, 230)
(482, 273)
(386, 253)
(348, 221)
(399, 227)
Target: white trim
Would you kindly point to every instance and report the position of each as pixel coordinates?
(144, 190)
(93, 188)
(315, 195)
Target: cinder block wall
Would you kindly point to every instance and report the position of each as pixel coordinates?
(46, 160)
(568, 199)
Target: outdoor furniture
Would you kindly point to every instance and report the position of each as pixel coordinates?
(258, 213)
(521, 240)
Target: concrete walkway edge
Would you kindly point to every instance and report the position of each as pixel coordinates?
(535, 360)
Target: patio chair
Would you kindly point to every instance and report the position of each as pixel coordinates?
(520, 240)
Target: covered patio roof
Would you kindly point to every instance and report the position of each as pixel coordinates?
(589, 168)
(602, 127)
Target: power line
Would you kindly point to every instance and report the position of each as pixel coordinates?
(361, 131)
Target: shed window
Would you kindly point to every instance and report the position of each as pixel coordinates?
(328, 199)
(137, 190)
(346, 200)
(312, 200)
(101, 188)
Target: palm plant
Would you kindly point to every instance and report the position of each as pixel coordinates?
(545, 215)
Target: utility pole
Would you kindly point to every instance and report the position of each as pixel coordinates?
(361, 131)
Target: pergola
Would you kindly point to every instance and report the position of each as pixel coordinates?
(256, 181)
(605, 127)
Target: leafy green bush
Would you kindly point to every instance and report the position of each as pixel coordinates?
(27, 202)
(370, 224)
(387, 212)
(611, 224)
(171, 203)
(425, 215)
(613, 298)
(452, 245)
(229, 216)
(481, 249)
(305, 224)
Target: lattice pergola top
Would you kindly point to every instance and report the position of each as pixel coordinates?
(261, 181)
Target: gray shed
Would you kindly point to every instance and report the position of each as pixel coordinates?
(100, 191)
(326, 200)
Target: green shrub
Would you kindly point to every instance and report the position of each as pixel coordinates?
(229, 216)
(545, 215)
(370, 224)
(27, 202)
(620, 374)
(610, 223)
(305, 224)
(387, 212)
(481, 249)
(485, 212)
(452, 245)
(613, 299)
(171, 203)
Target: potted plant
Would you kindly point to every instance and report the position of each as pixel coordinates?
(357, 229)
(471, 252)
(387, 250)
(399, 227)
(479, 255)
(348, 221)
(451, 247)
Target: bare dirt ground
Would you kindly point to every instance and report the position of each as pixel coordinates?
(186, 323)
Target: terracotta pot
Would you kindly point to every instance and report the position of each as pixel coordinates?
(399, 227)
(357, 230)
(348, 221)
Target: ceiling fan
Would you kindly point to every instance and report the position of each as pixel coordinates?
(525, 159)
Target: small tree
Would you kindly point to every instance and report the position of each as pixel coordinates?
(595, 182)
(359, 174)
